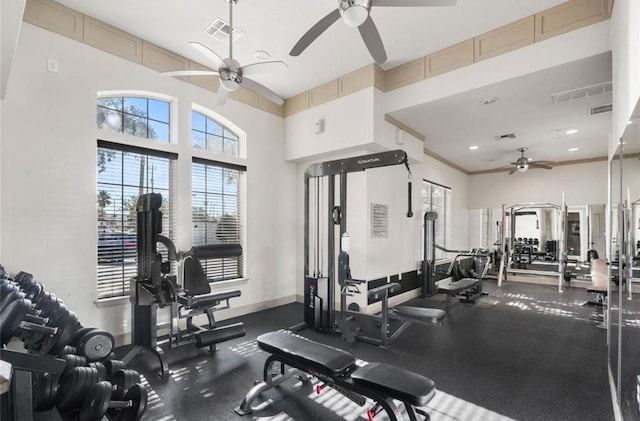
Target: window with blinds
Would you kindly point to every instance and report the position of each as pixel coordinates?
(123, 174)
(437, 198)
(218, 213)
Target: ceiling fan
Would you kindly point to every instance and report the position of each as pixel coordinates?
(523, 163)
(356, 13)
(231, 74)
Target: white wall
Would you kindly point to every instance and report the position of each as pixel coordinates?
(49, 175)
(625, 40)
(583, 184)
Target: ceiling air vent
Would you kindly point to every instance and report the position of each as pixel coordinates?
(220, 31)
(601, 109)
(506, 136)
(582, 93)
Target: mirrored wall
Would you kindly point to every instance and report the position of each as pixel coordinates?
(624, 271)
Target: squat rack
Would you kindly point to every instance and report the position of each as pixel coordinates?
(507, 261)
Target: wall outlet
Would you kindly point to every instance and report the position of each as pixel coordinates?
(52, 65)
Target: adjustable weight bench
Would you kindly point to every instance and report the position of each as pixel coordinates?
(470, 288)
(337, 369)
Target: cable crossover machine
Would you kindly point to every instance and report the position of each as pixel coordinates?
(320, 286)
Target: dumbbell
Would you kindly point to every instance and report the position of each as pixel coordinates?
(66, 323)
(13, 320)
(98, 401)
(28, 285)
(95, 344)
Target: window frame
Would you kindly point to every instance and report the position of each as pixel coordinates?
(444, 217)
(122, 96)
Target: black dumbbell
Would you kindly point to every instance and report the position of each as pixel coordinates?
(15, 319)
(113, 366)
(99, 400)
(72, 387)
(44, 391)
(95, 344)
(28, 285)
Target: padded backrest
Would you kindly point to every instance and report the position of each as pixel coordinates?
(194, 279)
(599, 275)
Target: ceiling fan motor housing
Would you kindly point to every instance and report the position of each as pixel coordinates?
(354, 12)
(522, 164)
(230, 79)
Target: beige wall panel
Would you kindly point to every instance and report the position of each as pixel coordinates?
(357, 80)
(379, 78)
(245, 95)
(323, 93)
(268, 106)
(406, 74)
(162, 60)
(54, 17)
(507, 38)
(450, 58)
(211, 83)
(568, 16)
(296, 103)
(112, 40)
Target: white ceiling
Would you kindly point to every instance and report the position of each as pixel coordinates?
(450, 125)
(526, 109)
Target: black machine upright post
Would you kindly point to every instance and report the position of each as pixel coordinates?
(331, 247)
(343, 229)
(429, 250)
(145, 287)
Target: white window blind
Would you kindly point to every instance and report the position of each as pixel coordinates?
(218, 213)
(123, 174)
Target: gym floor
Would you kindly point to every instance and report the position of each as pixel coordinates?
(523, 352)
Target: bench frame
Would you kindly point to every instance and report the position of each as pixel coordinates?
(274, 376)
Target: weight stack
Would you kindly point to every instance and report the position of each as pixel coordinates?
(316, 299)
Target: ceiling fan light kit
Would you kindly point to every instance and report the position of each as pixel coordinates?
(354, 12)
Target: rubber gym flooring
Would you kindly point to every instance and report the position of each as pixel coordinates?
(524, 352)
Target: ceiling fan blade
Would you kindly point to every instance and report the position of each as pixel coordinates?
(222, 95)
(372, 40)
(209, 53)
(315, 32)
(538, 165)
(262, 90)
(512, 171)
(264, 66)
(414, 3)
(189, 73)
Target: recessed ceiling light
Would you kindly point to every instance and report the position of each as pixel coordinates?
(573, 149)
(490, 100)
(261, 55)
(572, 131)
(629, 122)
(473, 148)
(530, 159)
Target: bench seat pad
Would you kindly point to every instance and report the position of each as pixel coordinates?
(396, 382)
(460, 285)
(420, 314)
(305, 354)
(207, 300)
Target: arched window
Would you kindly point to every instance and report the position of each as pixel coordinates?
(137, 116)
(217, 194)
(125, 171)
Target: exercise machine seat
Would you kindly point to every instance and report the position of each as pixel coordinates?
(599, 277)
(197, 290)
(420, 314)
(396, 382)
(303, 352)
(460, 285)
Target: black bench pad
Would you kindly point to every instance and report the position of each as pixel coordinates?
(420, 314)
(458, 286)
(397, 383)
(207, 300)
(310, 355)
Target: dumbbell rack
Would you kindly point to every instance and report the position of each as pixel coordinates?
(68, 367)
(17, 404)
